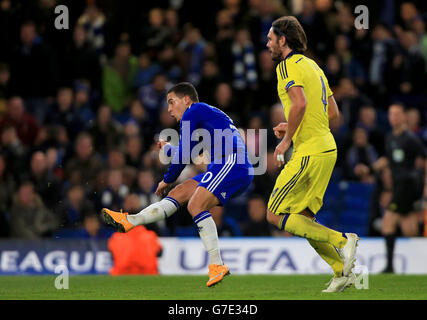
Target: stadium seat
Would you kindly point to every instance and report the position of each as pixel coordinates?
(187, 231)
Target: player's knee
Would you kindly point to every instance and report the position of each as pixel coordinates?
(194, 207)
(180, 193)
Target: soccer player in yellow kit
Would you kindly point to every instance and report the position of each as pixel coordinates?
(298, 193)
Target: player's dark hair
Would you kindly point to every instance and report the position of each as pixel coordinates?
(291, 29)
(185, 89)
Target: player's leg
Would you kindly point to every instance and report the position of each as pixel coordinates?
(325, 250)
(389, 225)
(301, 185)
(409, 224)
(163, 209)
(302, 226)
(199, 205)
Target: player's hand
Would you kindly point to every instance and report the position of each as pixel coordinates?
(279, 153)
(161, 144)
(161, 188)
(280, 129)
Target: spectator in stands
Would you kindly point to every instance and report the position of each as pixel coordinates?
(133, 151)
(367, 121)
(72, 210)
(45, 183)
(267, 80)
(29, 218)
(138, 113)
(257, 226)
(385, 49)
(7, 186)
(334, 69)
(225, 100)
(191, 55)
(352, 68)
(245, 74)
(168, 60)
(118, 75)
(360, 158)
(14, 151)
(223, 41)
(172, 23)
(419, 27)
(157, 34)
(93, 21)
(115, 192)
(4, 87)
(62, 113)
(153, 96)
(84, 167)
(115, 159)
(83, 109)
(316, 29)
(33, 68)
(210, 79)
(413, 117)
(105, 130)
(92, 228)
(409, 66)
(146, 188)
(146, 70)
(350, 98)
(25, 124)
(81, 60)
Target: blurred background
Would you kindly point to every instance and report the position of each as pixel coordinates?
(81, 108)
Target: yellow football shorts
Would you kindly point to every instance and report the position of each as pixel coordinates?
(302, 183)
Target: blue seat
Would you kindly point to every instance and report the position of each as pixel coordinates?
(361, 231)
(354, 217)
(363, 190)
(182, 231)
(326, 217)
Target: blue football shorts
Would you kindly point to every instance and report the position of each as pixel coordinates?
(226, 180)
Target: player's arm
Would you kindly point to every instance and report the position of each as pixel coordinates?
(333, 112)
(180, 158)
(296, 114)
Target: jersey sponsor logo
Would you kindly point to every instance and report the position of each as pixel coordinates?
(223, 194)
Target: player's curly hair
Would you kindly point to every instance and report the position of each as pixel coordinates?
(291, 29)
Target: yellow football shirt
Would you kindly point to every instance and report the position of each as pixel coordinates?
(313, 134)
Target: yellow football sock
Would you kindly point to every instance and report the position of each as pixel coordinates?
(301, 226)
(329, 254)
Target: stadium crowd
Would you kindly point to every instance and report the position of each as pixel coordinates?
(81, 108)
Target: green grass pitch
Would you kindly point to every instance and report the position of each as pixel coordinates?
(234, 287)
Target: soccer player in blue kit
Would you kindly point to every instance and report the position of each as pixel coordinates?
(228, 174)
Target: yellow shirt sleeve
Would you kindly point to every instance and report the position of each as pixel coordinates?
(289, 75)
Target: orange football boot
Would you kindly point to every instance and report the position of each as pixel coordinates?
(216, 274)
(117, 219)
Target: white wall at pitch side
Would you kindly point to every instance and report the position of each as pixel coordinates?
(286, 256)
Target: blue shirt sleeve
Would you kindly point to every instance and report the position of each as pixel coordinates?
(182, 153)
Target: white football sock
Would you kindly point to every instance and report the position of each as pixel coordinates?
(155, 212)
(209, 235)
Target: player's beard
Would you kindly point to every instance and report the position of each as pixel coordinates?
(276, 56)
